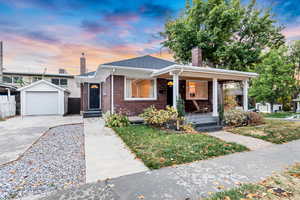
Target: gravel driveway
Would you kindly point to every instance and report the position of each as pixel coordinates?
(55, 161)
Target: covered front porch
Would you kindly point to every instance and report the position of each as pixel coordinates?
(201, 88)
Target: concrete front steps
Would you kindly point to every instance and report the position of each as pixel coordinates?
(204, 122)
(92, 113)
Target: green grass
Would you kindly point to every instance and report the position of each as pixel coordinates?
(275, 131)
(237, 193)
(278, 114)
(158, 148)
(280, 186)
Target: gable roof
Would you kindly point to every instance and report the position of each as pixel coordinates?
(145, 62)
(41, 82)
(88, 74)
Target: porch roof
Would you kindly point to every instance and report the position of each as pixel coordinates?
(204, 72)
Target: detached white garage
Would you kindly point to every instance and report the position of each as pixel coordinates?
(43, 98)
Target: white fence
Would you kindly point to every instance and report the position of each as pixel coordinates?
(7, 106)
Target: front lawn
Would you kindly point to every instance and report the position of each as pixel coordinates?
(159, 148)
(275, 131)
(280, 186)
(278, 114)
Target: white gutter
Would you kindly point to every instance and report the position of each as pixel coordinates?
(218, 71)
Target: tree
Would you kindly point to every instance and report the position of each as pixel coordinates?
(231, 36)
(276, 78)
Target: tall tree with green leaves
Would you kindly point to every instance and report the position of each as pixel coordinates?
(276, 80)
(231, 35)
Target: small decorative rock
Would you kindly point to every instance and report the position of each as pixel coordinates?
(55, 161)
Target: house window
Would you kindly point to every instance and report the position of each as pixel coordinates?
(197, 90)
(60, 82)
(140, 89)
(17, 79)
(55, 81)
(7, 79)
(63, 82)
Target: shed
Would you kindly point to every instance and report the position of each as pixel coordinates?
(43, 98)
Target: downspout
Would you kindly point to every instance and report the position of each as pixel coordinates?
(112, 91)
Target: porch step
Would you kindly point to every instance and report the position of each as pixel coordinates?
(92, 113)
(207, 124)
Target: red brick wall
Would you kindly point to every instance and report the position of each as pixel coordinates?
(84, 87)
(137, 107)
(105, 95)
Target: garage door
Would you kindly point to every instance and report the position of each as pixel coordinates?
(41, 103)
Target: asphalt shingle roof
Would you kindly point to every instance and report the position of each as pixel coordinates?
(146, 62)
(88, 74)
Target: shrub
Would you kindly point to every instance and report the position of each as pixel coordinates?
(116, 120)
(180, 107)
(188, 128)
(255, 118)
(155, 117)
(235, 118)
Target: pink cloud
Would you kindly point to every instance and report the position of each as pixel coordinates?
(292, 32)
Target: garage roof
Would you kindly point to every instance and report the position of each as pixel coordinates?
(45, 82)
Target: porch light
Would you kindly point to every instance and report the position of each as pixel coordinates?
(170, 83)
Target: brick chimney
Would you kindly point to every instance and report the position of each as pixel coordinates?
(197, 57)
(82, 64)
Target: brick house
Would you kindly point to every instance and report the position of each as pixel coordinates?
(137, 83)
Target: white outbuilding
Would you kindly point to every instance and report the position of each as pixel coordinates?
(43, 98)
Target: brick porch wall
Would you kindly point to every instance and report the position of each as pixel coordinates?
(137, 107)
(105, 95)
(84, 87)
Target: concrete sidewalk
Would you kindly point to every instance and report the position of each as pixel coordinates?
(250, 142)
(105, 153)
(18, 134)
(190, 181)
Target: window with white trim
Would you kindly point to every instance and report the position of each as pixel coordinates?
(140, 89)
(196, 90)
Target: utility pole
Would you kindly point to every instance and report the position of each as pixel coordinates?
(1, 62)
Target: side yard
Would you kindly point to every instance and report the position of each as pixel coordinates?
(275, 131)
(158, 148)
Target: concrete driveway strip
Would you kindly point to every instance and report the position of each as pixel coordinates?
(191, 181)
(18, 134)
(105, 153)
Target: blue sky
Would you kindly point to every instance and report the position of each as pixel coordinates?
(51, 34)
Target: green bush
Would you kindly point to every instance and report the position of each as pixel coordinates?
(160, 118)
(236, 118)
(116, 120)
(180, 107)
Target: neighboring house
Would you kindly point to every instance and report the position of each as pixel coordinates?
(137, 83)
(21, 79)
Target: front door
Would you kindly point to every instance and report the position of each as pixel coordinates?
(94, 96)
(170, 93)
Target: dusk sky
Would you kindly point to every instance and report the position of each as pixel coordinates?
(51, 34)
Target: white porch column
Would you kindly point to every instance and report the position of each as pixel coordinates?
(215, 97)
(245, 95)
(175, 89)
